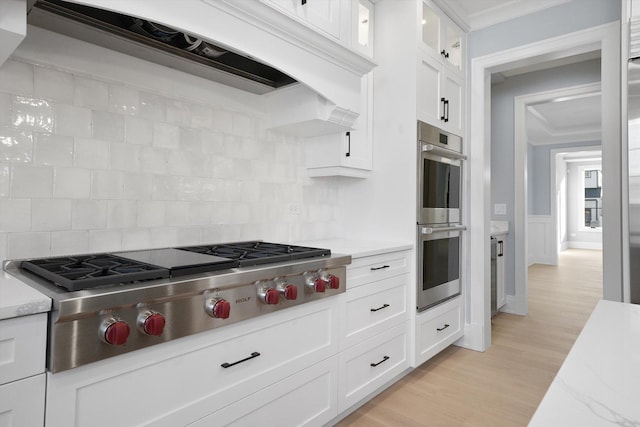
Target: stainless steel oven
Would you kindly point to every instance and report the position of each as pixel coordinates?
(439, 175)
(438, 269)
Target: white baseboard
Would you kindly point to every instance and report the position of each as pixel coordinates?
(585, 245)
(515, 305)
(473, 337)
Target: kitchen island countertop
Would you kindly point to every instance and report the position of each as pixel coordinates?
(357, 248)
(599, 381)
(19, 299)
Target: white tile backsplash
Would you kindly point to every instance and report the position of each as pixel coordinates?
(53, 85)
(88, 165)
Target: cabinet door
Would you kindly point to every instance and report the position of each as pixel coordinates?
(22, 402)
(322, 14)
(453, 45)
(429, 98)
(358, 143)
(431, 22)
(453, 92)
(362, 25)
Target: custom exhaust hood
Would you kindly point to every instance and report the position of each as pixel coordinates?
(157, 43)
(246, 45)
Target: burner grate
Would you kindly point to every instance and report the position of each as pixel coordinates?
(88, 271)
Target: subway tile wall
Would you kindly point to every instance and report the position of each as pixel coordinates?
(89, 165)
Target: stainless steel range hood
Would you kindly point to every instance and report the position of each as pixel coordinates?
(157, 43)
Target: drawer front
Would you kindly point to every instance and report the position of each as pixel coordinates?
(373, 308)
(368, 366)
(438, 329)
(308, 398)
(22, 402)
(193, 383)
(23, 344)
(377, 267)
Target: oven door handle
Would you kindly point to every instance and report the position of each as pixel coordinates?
(431, 230)
(443, 152)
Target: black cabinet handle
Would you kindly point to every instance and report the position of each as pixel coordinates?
(384, 359)
(443, 328)
(444, 103)
(380, 308)
(303, 2)
(446, 106)
(379, 268)
(501, 243)
(348, 153)
(253, 356)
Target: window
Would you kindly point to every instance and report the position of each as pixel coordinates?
(593, 198)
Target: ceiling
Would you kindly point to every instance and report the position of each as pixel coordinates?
(473, 15)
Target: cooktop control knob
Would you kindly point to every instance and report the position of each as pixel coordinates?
(114, 331)
(289, 292)
(316, 284)
(218, 308)
(269, 295)
(333, 281)
(151, 323)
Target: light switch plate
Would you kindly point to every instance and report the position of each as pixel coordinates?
(500, 209)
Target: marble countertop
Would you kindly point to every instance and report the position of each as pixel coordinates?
(599, 381)
(499, 227)
(357, 248)
(19, 299)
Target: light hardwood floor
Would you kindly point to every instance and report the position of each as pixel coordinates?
(504, 385)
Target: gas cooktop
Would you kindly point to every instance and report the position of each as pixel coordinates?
(80, 272)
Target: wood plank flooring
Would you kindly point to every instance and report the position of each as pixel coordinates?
(504, 385)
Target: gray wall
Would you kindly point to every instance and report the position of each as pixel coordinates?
(564, 19)
(539, 174)
(502, 136)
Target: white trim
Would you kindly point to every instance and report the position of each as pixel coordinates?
(605, 37)
(584, 245)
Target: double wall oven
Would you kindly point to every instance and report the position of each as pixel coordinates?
(439, 228)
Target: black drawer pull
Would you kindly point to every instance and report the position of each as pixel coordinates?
(379, 268)
(253, 356)
(380, 308)
(384, 359)
(443, 328)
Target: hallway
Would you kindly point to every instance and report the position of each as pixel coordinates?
(504, 385)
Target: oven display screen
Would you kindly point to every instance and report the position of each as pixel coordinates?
(441, 186)
(441, 261)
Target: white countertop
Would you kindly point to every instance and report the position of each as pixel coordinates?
(19, 299)
(499, 227)
(599, 381)
(357, 248)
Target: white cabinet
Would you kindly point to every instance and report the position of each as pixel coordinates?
(440, 74)
(216, 374)
(500, 270)
(374, 325)
(323, 15)
(13, 26)
(441, 37)
(362, 25)
(346, 153)
(437, 328)
(440, 95)
(22, 365)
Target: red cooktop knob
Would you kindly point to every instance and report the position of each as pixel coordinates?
(116, 332)
(334, 282)
(319, 285)
(153, 324)
(221, 309)
(269, 296)
(290, 292)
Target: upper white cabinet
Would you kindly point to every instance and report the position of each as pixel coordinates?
(323, 15)
(362, 25)
(346, 153)
(441, 37)
(440, 73)
(13, 26)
